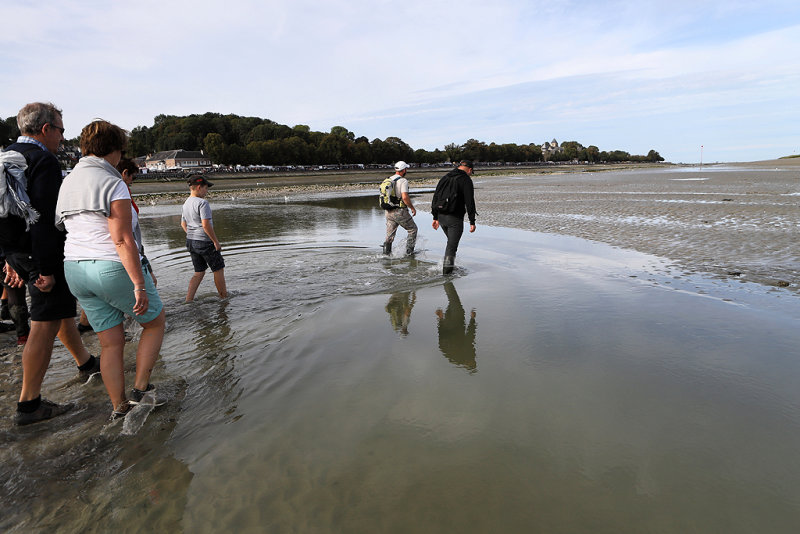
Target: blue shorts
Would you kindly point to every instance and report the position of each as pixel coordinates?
(105, 292)
(204, 256)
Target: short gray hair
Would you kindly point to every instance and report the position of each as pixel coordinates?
(32, 118)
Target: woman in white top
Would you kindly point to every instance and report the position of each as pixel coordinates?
(103, 265)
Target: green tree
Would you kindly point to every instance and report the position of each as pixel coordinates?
(362, 151)
(573, 150)
(237, 155)
(215, 147)
(474, 150)
(396, 150)
(302, 131)
(293, 151)
(343, 132)
(453, 152)
(332, 149)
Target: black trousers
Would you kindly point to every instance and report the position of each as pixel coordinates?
(453, 228)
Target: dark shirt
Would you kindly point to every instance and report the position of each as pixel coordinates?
(465, 204)
(44, 242)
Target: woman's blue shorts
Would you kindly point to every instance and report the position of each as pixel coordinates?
(105, 292)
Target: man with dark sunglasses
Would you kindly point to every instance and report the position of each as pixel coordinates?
(35, 257)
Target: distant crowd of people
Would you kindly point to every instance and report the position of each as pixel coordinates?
(77, 239)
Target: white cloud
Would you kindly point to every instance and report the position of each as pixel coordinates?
(430, 72)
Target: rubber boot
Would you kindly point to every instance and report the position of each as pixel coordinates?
(448, 264)
(387, 248)
(409, 249)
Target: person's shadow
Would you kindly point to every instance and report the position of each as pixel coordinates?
(456, 337)
(399, 309)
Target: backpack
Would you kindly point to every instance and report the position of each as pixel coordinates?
(14, 200)
(445, 199)
(387, 199)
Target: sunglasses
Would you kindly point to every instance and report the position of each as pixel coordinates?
(59, 128)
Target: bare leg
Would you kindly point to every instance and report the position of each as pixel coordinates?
(71, 338)
(36, 357)
(112, 345)
(219, 281)
(148, 350)
(194, 283)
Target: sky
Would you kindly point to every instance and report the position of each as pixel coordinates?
(717, 80)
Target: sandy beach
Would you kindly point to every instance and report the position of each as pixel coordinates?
(338, 387)
(736, 221)
(740, 222)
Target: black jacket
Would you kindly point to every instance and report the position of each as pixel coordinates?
(465, 204)
(44, 242)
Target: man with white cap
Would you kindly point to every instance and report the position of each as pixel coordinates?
(400, 216)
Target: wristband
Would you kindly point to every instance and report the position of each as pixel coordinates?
(143, 289)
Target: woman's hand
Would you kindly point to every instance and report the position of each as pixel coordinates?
(142, 302)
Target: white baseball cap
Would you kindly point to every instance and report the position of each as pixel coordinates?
(401, 165)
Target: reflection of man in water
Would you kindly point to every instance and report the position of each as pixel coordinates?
(399, 308)
(456, 338)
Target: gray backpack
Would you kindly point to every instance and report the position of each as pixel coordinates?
(14, 200)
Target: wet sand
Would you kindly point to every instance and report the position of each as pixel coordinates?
(737, 221)
(261, 363)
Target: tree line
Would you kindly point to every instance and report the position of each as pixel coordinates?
(232, 139)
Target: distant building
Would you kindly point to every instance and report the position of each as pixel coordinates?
(176, 159)
(551, 148)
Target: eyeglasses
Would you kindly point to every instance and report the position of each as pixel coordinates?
(59, 128)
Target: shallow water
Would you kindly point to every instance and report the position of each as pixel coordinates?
(552, 384)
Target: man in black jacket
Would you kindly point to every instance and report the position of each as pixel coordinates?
(36, 257)
(454, 198)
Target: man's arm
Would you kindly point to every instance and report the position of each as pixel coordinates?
(407, 201)
(208, 228)
(47, 242)
(469, 201)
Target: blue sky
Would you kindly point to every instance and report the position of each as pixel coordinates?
(633, 76)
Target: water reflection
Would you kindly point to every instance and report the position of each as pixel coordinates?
(212, 329)
(456, 337)
(399, 309)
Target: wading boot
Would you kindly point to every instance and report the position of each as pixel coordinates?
(409, 249)
(387, 248)
(448, 264)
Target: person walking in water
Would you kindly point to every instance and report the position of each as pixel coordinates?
(201, 240)
(400, 215)
(454, 198)
(104, 265)
(35, 256)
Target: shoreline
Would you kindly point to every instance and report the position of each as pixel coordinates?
(722, 224)
(262, 185)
